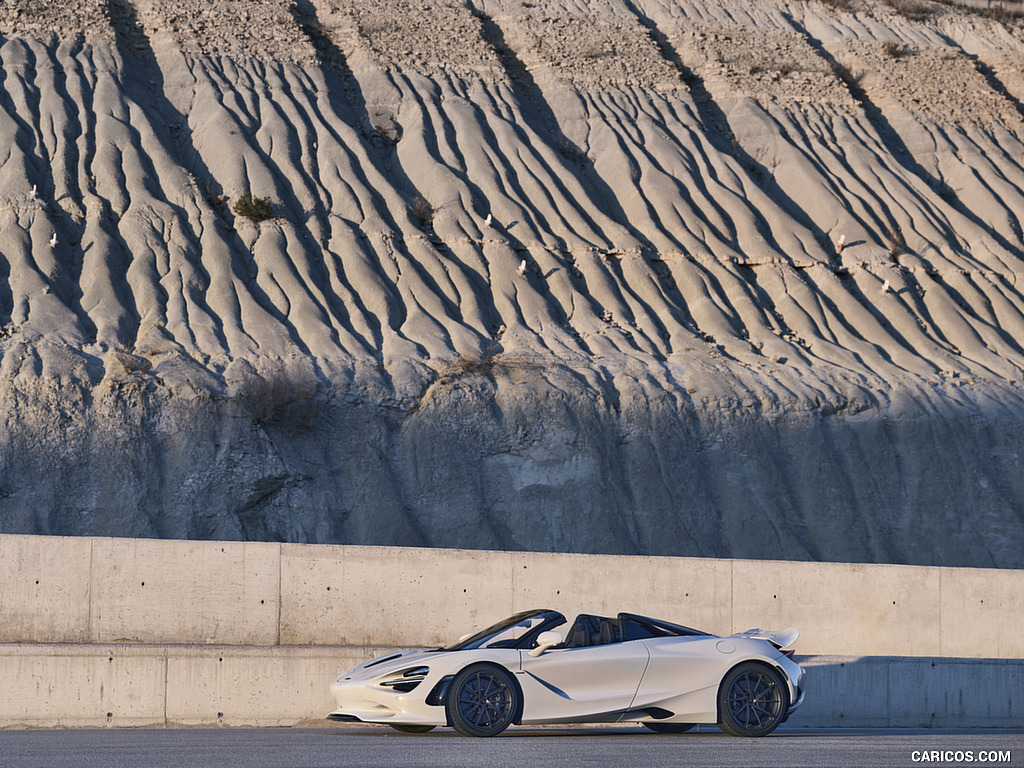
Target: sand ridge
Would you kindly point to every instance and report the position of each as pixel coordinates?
(759, 153)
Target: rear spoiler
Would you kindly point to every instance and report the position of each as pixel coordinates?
(783, 638)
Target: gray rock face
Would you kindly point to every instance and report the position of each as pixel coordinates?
(727, 279)
(526, 454)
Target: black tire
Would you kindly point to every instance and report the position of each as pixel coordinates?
(752, 700)
(670, 727)
(482, 700)
(411, 727)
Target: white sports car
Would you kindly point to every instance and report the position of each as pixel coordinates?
(627, 669)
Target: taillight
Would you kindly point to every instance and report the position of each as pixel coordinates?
(788, 653)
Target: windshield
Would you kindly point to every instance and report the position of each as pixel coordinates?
(514, 632)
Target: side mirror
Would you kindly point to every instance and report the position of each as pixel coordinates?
(544, 641)
(466, 637)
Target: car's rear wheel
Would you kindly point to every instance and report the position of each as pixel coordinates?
(482, 700)
(670, 727)
(411, 727)
(752, 700)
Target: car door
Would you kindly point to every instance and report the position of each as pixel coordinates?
(567, 684)
(682, 676)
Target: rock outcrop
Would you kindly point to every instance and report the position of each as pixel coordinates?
(723, 279)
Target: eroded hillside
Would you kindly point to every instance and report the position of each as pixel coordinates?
(730, 279)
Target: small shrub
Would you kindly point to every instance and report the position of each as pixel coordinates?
(845, 74)
(942, 189)
(788, 68)
(838, 5)
(572, 151)
(280, 396)
(373, 26)
(133, 365)
(215, 196)
(470, 365)
(388, 133)
(897, 244)
(911, 10)
(894, 50)
(255, 209)
(594, 51)
(1003, 13)
(423, 210)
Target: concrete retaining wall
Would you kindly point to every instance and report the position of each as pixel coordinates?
(93, 590)
(70, 685)
(146, 685)
(155, 632)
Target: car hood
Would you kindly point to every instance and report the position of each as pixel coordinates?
(391, 662)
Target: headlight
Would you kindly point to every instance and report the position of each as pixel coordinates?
(407, 680)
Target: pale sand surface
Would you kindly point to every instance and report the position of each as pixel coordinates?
(742, 222)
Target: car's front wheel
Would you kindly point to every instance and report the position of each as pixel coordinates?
(752, 700)
(482, 700)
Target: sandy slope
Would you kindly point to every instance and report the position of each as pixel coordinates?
(769, 304)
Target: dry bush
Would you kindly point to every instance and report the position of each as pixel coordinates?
(594, 51)
(839, 5)
(373, 26)
(280, 396)
(897, 244)
(845, 74)
(573, 152)
(1008, 12)
(912, 10)
(788, 67)
(422, 210)
(1004, 14)
(388, 133)
(215, 195)
(133, 365)
(894, 50)
(468, 366)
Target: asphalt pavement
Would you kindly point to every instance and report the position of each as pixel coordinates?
(561, 747)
